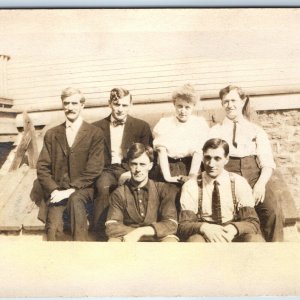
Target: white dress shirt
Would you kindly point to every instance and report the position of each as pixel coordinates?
(116, 136)
(72, 129)
(181, 139)
(190, 195)
(251, 140)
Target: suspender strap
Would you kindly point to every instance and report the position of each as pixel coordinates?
(200, 197)
(232, 182)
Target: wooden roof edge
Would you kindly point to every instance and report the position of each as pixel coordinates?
(9, 110)
(204, 98)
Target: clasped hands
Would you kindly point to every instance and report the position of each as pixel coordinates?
(217, 233)
(136, 234)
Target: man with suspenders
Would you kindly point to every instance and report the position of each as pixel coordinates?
(220, 206)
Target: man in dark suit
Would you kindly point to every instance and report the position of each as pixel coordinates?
(120, 132)
(69, 163)
(142, 209)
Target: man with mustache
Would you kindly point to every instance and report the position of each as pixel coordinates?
(69, 163)
(220, 207)
(120, 132)
(142, 209)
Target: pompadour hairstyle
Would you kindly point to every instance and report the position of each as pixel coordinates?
(187, 92)
(118, 93)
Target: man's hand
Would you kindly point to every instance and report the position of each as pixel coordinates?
(135, 235)
(259, 191)
(231, 231)
(124, 177)
(215, 233)
(177, 179)
(58, 196)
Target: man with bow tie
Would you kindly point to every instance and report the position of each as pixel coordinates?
(120, 132)
(250, 156)
(69, 163)
(220, 206)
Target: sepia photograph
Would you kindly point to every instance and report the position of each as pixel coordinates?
(123, 129)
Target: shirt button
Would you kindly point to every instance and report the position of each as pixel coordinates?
(142, 214)
(140, 201)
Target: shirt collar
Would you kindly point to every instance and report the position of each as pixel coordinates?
(134, 188)
(74, 125)
(240, 120)
(113, 119)
(220, 179)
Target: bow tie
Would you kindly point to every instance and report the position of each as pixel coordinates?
(118, 123)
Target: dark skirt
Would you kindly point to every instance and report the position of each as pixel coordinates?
(178, 167)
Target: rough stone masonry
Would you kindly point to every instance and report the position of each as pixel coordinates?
(283, 128)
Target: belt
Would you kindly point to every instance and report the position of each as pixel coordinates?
(183, 159)
(241, 158)
(116, 165)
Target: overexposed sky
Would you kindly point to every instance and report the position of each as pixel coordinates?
(159, 33)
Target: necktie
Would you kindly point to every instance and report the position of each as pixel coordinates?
(118, 123)
(216, 204)
(234, 143)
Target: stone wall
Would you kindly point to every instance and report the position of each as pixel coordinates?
(283, 128)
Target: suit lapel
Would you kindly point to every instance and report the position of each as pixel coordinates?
(106, 132)
(126, 139)
(152, 203)
(62, 138)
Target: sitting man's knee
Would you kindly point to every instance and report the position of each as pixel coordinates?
(254, 238)
(170, 238)
(196, 238)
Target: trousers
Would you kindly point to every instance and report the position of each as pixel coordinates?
(169, 238)
(248, 237)
(105, 184)
(75, 206)
(269, 211)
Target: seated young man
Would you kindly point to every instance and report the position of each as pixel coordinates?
(220, 208)
(142, 209)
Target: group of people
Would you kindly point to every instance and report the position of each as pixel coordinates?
(182, 182)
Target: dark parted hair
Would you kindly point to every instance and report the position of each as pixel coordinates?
(226, 90)
(70, 91)
(187, 92)
(137, 149)
(215, 144)
(118, 93)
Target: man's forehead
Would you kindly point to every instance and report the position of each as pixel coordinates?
(125, 100)
(73, 98)
(218, 152)
(142, 158)
(233, 94)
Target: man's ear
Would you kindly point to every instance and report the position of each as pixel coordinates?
(226, 159)
(150, 166)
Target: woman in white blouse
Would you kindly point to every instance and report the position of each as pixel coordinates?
(179, 139)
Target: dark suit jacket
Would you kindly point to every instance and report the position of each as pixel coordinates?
(58, 170)
(135, 131)
(161, 212)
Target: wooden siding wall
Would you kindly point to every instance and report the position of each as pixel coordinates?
(36, 84)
